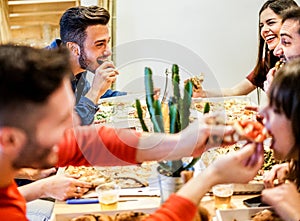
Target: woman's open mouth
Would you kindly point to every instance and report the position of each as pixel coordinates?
(270, 141)
(270, 38)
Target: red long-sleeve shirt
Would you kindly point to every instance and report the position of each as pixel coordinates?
(96, 146)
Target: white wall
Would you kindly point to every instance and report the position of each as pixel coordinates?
(88, 2)
(223, 33)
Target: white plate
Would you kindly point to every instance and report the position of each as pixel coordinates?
(130, 192)
(238, 214)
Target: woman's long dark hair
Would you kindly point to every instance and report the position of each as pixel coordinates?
(265, 58)
(285, 97)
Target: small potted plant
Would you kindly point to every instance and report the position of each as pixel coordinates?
(178, 119)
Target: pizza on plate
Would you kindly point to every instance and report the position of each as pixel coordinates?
(266, 215)
(133, 176)
(88, 174)
(122, 216)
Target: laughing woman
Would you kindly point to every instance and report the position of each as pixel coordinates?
(269, 27)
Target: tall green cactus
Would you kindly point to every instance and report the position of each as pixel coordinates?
(179, 113)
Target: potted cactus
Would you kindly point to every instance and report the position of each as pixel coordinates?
(178, 119)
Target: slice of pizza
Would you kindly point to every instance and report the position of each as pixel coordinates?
(197, 83)
(93, 217)
(130, 216)
(245, 129)
(88, 174)
(253, 131)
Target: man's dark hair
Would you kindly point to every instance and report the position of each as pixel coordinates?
(292, 14)
(75, 20)
(28, 77)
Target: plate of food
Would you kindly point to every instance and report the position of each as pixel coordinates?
(120, 111)
(234, 108)
(118, 215)
(250, 214)
(136, 177)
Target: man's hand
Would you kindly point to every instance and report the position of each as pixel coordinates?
(270, 77)
(62, 187)
(105, 75)
(34, 174)
(59, 187)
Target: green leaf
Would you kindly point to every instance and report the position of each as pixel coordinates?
(175, 82)
(173, 118)
(150, 99)
(206, 108)
(186, 104)
(140, 115)
(158, 115)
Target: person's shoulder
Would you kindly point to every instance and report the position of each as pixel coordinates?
(54, 44)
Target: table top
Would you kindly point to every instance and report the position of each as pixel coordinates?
(64, 212)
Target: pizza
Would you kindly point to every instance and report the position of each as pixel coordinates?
(253, 131)
(131, 216)
(233, 109)
(104, 113)
(93, 217)
(133, 176)
(88, 174)
(279, 64)
(245, 129)
(197, 83)
(122, 216)
(266, 215)
(212, 154)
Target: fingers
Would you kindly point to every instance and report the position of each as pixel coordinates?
(47, 172)
(78, 189)
(108, 65)
(82, 184)
(252, 108)
(256, 158)
(220, 135)
(247, 151)
(277, 173)
(75, 176)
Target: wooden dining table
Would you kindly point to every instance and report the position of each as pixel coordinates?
(148, 204)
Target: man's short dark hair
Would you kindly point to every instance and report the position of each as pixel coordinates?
(28, 77)
(75, 20)
(292, 14)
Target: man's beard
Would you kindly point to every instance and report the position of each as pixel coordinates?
(84, 62)
(35, 155)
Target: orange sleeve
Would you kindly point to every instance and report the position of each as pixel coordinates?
(102, 146)
(176, 208)
(12, 204)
